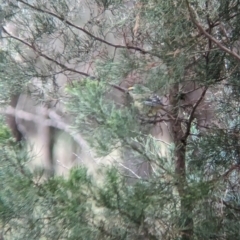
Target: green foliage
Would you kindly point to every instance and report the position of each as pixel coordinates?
(75, 208)
(163, 49)
(91, 108)
(4, 133)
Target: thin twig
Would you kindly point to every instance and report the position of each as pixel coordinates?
(130, 170)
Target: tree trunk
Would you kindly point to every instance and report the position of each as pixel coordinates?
(178, 138)
(11, 120)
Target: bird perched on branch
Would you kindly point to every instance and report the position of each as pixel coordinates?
(144, 100)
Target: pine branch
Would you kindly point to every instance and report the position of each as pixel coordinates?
(209, 36)
(44, 55)
(84, 30)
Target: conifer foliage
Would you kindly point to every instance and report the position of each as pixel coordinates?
(114, 57)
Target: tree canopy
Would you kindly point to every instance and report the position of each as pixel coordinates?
(157, 83)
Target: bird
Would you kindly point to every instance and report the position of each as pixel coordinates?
(144, 100)
(153, 101)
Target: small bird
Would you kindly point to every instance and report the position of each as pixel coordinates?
(144, 100)
(153, 101)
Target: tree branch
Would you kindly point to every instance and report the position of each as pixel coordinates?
(44, 55)
(191, 117)
(60, 64)
(84, 30)
(209, 36)
(54, 120)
